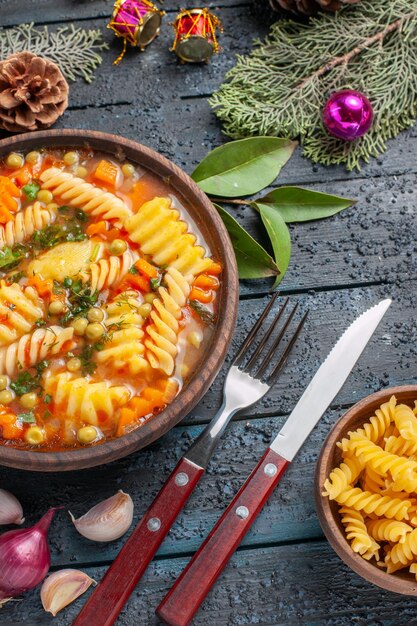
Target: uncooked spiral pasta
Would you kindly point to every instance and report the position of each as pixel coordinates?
(388, 530)
(78, 396)
(399, 445)
(341, 477)
(20, 308)
(405, 551)
(163, 332)
(25, 223)
(377, 425)
(384, 462)
(33, 347)
(406, 422)
(77, 192)
(382, 493)
(159, 231)
(357, 533)
(109, 272)
(360, 500)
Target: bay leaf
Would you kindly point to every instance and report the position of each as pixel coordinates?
(243, 167)
(296, 204)
(253, 260)
(279, 235)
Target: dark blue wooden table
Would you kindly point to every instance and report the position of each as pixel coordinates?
(285, 572)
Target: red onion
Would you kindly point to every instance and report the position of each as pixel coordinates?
(24, 558)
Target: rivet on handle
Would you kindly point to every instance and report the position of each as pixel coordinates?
(181, 479)
(270, 469)
(242, 512)
(154, 524)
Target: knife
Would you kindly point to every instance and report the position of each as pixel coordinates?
(188, 592)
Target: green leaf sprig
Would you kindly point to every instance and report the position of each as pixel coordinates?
(246, 167)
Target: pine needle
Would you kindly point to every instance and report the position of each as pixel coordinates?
(75, 50)
(281, 87)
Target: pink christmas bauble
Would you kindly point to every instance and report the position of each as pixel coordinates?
(348, 114)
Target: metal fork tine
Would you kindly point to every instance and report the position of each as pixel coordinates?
(249, 339)
(267, 359)
(277, 369)
(265, 338)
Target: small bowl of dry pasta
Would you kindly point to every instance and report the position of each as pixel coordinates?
(366, 489)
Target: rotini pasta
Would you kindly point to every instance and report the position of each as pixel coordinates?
(381, 461)
(388, 530)
(341, 477)
(372, 480)
(399, 445)
(78, 396)
(77, 192)
(32, 348)
(405, 551)
(377, 425)
(159, 231)
(357, 533)
(360, 500)
(20, 308)
(163, 332)
(406, 422)
(109, 272)
(34, 217)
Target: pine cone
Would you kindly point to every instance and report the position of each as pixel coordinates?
(33, 92)
(310, 7)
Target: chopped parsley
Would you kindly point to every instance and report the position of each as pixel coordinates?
(40, 323)
(25, 383)
(133, 270)
(47, 398)
(27, 418)
(31, 190)
(155, 282)
(80, 297)
(205, 315)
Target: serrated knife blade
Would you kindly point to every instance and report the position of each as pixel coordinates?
(327, 381)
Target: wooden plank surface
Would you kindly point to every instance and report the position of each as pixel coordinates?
(284, 573)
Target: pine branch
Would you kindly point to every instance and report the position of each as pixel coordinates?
(367, 43)
(75, 50)
(280, 89)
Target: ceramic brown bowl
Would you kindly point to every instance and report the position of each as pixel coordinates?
(210, 225)
(401, 581)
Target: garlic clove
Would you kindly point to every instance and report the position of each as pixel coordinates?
(107, 520)
(63, 587)
(11, 511)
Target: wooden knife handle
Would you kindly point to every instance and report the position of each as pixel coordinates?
(109, 597)
(189, 590)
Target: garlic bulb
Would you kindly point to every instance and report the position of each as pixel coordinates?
(63, 587)
(107, 520)
(11, 511)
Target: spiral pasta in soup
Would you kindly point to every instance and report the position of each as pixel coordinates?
(107, 293)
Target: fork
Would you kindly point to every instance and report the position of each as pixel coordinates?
(245, 384)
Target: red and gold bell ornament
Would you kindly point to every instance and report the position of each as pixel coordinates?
(195, 35)
(137, 21)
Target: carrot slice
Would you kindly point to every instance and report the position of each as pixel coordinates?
(146, 268)
(206, 282)
(107, 173)
(214, 269)
(43, 287)
(99, 228)
(200, 295)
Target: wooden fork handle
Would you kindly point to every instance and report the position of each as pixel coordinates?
(109, 597)
(188, 592)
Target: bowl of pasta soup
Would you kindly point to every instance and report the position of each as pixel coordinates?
(118, 298)
(366, 489)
